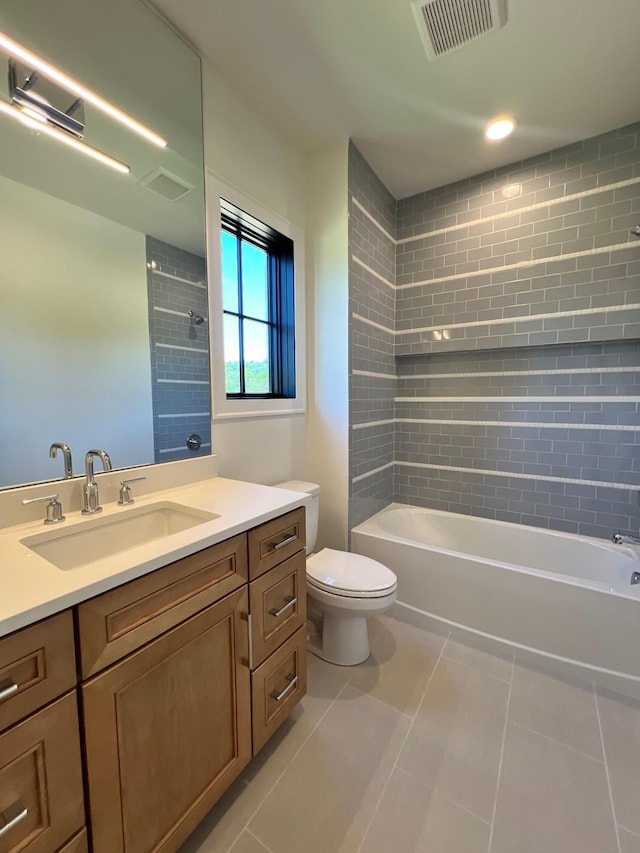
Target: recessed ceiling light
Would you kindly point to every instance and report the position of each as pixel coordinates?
(500, 128)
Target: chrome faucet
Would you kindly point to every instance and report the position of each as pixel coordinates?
(90, 492)
(66, 454)
(621, 537)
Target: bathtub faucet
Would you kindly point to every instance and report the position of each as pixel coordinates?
(621, 537)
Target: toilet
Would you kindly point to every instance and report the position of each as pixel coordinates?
(342, 590)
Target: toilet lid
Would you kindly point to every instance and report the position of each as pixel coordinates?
(349, 574)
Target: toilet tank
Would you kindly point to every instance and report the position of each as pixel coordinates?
(312, 505)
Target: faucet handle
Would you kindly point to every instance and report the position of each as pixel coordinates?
(54, 508)
(125, 491)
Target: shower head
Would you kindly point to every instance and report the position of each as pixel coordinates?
(635, 231)
(196, 319)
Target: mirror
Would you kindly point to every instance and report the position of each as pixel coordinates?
(104, 333)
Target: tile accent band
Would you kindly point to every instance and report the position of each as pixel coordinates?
(519, 424)
(601, 250)
(509, 475)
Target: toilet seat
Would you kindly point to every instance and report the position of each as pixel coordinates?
(348, 575)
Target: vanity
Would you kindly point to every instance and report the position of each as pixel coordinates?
(126, 714)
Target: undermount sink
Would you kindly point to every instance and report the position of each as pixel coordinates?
(84, 543)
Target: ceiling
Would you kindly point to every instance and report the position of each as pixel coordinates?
(320, 71)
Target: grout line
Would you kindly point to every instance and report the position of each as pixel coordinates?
(504, 740)
(606, 767)
(259, 840)
(555, 740)
(400, 748)
(630, 831)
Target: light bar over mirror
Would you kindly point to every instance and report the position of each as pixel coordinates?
(17, 51)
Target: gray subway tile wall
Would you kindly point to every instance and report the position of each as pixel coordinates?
(372, 365)
(177, 283)
(515, 335)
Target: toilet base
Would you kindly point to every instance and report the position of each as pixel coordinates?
(344, 640)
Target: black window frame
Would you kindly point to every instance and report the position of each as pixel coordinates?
(281, 302)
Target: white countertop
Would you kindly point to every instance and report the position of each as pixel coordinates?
(32, 588)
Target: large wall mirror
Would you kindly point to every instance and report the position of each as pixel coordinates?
(104, 334)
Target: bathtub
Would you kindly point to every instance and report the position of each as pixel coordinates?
(540, 593)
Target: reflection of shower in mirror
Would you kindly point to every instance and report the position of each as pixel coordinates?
(196, 319)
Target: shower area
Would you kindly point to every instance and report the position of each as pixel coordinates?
(494, 341)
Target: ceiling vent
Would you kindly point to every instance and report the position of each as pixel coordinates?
(165, 184)
(446, 25)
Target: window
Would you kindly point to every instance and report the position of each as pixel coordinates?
(258, 307)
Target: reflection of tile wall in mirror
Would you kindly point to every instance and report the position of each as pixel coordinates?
(179, 350)
(156, 79)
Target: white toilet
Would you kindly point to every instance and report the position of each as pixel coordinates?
(342, 590)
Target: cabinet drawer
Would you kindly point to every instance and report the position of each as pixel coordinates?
(41, 780)
(78, 844)
(37, 664)
(118, 622)
(277, 686)
(274, 541)
(278, 605)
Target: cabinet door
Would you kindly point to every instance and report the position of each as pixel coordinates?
(41, 797)
(167, 730)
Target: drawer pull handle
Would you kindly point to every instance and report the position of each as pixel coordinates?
(286, 541)
(283, 609)
(247, 617)
(7, 688)
(12, 816)
(280, 696)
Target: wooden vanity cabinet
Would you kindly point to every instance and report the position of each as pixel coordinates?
(186, 673)
(41, 789)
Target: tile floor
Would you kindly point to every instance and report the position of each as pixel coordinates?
(434, 746)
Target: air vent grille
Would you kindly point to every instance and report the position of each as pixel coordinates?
(165, 184)
(446, 25)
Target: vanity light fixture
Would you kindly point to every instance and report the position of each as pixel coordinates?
(33, 121)
(52, 73)
(500, 128)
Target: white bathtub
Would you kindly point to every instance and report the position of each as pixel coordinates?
(564, 597)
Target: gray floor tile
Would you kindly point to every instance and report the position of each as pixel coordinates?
(629, 843)
(475, 655)
(248, 843)
(402, 659)
(455, 743)
(325, 799)
(412, 817)
(553, 707)
(620, 719)
(551, 799)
